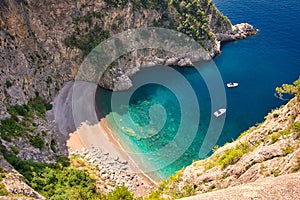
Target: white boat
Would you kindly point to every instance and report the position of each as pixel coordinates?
(220, 112)
(232, 85)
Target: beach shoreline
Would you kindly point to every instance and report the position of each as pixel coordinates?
(86, 139)
(116, 143)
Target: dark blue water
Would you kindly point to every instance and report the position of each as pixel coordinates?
(260, 64)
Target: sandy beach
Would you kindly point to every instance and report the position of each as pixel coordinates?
(95, 142)
(88, 137)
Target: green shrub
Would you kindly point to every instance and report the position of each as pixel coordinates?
(10, 127)
(54, 181)
(293, 128)
(62, 181)
(13, 127)
(3, 191)
(275, 172)
(232, 155)
(2, 174)
(287, 150)
(120, 193)
(36, 141)
(89, 41)
(15, 150)
(8, 84)
(293, 89)
(18, 110)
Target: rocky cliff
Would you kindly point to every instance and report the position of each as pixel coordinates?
(283, 187)
(42, 43)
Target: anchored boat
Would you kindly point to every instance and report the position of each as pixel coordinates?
(220, 112)
(232, 85)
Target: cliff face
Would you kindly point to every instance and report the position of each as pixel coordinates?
(269, 149)
(43, 43)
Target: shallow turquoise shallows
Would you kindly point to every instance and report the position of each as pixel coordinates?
(259, 64)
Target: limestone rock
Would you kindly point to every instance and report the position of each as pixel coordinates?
(283, 187)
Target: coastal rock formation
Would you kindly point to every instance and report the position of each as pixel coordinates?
(117, 78)
(238, 31)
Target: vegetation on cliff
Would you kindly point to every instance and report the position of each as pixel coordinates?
(189, 17)
(21, 121)
(62, 180)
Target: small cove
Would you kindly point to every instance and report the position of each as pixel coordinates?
(259, 64)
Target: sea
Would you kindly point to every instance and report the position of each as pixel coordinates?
(162, 128)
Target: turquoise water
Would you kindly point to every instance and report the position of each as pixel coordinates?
(259, 63)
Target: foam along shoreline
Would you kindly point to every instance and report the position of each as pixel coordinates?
(98, 145)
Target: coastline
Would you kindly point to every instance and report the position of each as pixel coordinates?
(109, 147)
(108, 132)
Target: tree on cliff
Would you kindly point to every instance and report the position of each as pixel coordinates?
(293, 89)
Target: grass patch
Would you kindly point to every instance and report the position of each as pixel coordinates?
(170, 188)
(293, 128)
(3, 191)
(287, 150)
(233, 155)
(275, 172)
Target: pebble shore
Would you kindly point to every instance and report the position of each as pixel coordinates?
(114, 171)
